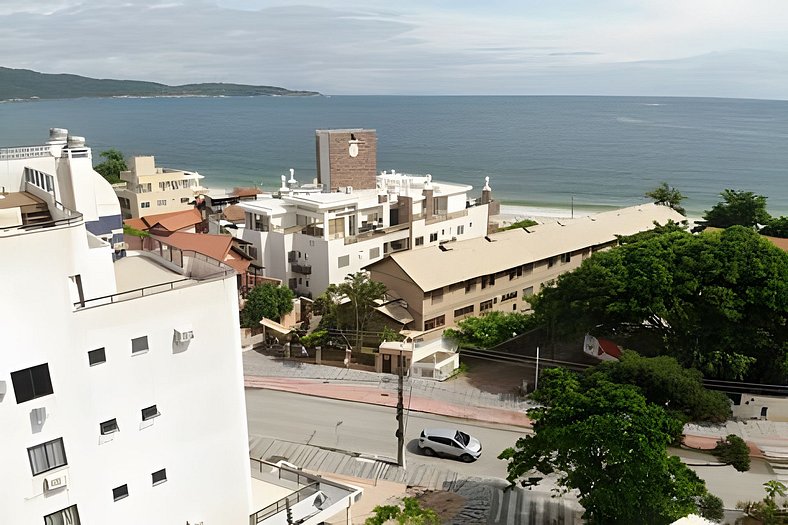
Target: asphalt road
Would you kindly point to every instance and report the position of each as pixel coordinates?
(368, 429)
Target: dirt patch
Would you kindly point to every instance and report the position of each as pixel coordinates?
(446, 504)
(493, 377)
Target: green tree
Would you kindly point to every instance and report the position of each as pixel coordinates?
(732, 450)
(664, 382)
(266, 300)
(664, 195)
(411, 513)
(113, 164)
(711, 507)
(776, 227)
(490, 329)
(364, 294)
(718, 302)
(326, 305)
(608, 443)
(742, 208)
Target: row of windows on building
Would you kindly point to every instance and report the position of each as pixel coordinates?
(52, 454)
(34, 382)
(419, 241)
(484, 306)
(159, 202)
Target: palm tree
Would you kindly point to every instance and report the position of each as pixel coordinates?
(363, 294)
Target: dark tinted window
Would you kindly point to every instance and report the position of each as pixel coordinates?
(108, 427)
(462, 438)
(149, 413)
(120, 492)
(96, 357)
(160, 476)
(31, 383)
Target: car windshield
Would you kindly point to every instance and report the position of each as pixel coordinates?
(463, 438)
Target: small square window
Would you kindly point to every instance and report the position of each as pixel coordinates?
(150, 413)
(343, 261)
(108, 427)
(139, 344)
(121, 492)
(420, 241)
(96, 357)
(158, 477)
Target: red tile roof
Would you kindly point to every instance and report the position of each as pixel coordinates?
(214, 246)
(171, 221)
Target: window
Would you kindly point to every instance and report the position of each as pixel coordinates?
(67, 516)
(551, 262)
(435, 322)
(343, 261)
(31, 383)
(139, 345)
(433, 237)
(145, 204)
(488, 280)
(158, 477)
(528, 268)
(96, 357)
(470, 285)
(566, 257)
(374, 253)
(184, 200)
(47, 456)
(512, 274)
(528, 292)
(485, 305)
(161, 202)
(420, 241)
(121, 492)
(460, 230)
(437, 296)
(150, 412)
(108, 427)
(463, 311)
(509, 296)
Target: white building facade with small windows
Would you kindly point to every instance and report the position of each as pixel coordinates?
(310, 238)
(121, 392)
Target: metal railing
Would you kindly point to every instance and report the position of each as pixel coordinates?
(71, 217)
(183, 259)
(25, 152)
(309, 486)
(438, 217)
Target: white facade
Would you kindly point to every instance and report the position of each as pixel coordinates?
(310, 239)
(180, 440)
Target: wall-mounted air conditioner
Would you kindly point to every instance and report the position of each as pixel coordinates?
(55, 481)
(182, 336)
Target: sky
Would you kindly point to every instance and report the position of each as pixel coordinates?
(716, 48)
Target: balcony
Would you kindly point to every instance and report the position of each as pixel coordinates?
(302, 268)
(369, 234)
(443, 216)
(279, 490)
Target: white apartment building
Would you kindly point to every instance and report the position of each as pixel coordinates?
(121, 382)
(310, 238)
(150, 190)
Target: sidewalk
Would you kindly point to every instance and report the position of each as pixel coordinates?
(457, 398)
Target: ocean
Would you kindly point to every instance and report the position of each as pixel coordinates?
(545, 152)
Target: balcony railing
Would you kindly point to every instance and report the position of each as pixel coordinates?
(304, 269)
(352, 239)
(438, 217)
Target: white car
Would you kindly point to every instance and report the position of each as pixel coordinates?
(449, 442)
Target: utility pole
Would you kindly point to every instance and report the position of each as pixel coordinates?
(536, 379)
(573, 206)
(400, 412)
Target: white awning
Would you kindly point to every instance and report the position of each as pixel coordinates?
(273, 325)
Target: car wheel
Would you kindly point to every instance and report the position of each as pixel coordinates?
(428, 451)
(466, 458)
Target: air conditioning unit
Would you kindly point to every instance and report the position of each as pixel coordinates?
(55, 481)
(120, 246)
(184, 336)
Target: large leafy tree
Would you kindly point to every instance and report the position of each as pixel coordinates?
(608, 443)
(411, 513)
(777, 227)
(491, 329)
(667, 196)
(112, 165)
(266, 300)
(742, 208)
(664, 382)
(364, 294)
(718, 302)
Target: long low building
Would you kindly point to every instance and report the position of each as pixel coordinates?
(444, 284)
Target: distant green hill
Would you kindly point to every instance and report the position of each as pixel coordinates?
(26, 84)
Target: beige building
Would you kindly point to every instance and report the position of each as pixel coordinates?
(445, 283)
(150, 190)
